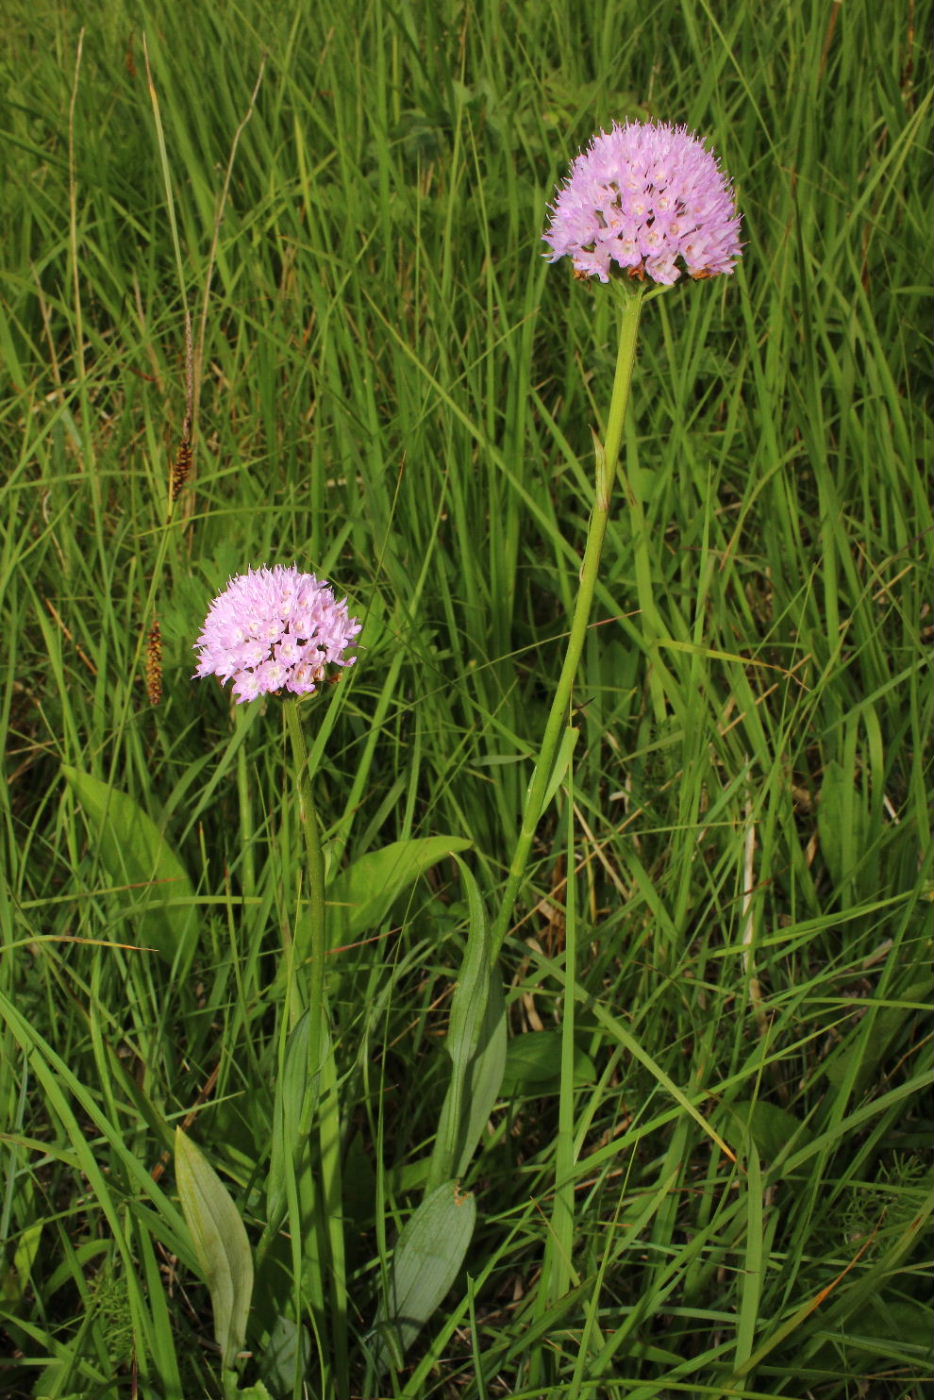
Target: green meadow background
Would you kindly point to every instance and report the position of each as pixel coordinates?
(717, 1182)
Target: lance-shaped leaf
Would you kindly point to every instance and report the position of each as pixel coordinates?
(297, 1089)
(362, 895)
(533, 1065)
(484, 1079)
(137, 857)
(476, 1043)
(425, 1263)
(220, 1244)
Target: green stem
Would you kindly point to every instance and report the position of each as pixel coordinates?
(314, 865)
(321, 1055)
(607, 459)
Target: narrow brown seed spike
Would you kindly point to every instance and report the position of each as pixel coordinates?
(154, 664)
(181, 467)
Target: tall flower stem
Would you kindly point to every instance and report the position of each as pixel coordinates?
(607, 461)
(314, 866)
(320, 1054)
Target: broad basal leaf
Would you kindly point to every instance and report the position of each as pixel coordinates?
(533, 1065)
(476, 1043)
(220, 1244)
(152, 880)
(426, 1261)
(361, 896)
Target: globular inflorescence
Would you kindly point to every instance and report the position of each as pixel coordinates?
(649, 200)
(275, 629)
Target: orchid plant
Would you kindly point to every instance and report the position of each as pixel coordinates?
(644, 205)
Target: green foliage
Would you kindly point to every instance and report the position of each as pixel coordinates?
(362, 895)
(476, 1044)
(136, 855)
(220, 1244)
(426, 1260)
(730, 1154)
(533, 1065)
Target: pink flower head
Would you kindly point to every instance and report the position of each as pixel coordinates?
(274, 629)
(650, 199)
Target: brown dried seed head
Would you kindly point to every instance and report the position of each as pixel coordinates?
(181, 468)
(154, 664)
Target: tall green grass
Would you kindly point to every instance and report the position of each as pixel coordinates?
(395, 390)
